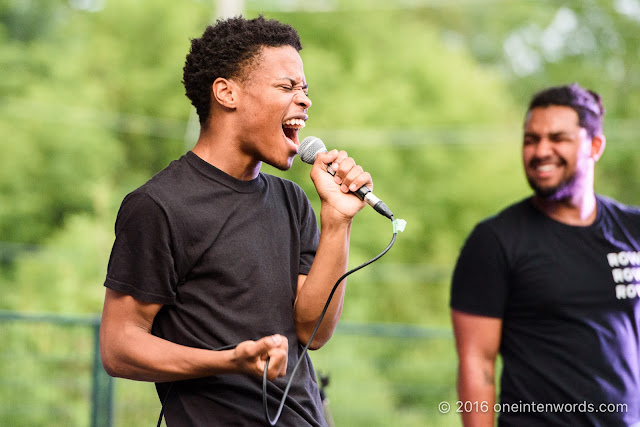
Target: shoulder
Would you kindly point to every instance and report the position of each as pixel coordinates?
(284, 186)
(170, 177)
(158, 190)
(615, 215)
(614, 206)
(513, 216)
(172, 180)
(291, 197)
(506, 229)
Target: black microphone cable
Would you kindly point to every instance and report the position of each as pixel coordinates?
(398, 225)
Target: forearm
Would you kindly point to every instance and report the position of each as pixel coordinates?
(330, 263)
(476, 392)
(136, 354)
(129, 349)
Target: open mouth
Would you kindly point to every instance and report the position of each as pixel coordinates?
(546, 168)
(291, 127)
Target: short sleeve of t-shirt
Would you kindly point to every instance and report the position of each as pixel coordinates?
(141, 262)
(309, 234)
(480, 278)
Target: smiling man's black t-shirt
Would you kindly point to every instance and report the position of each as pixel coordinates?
(569, 299)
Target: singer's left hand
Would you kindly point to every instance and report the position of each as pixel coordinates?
(335, 191)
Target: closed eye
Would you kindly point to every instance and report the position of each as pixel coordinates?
(560, 137)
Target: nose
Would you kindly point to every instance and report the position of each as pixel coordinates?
(543, 148)
(302, 100)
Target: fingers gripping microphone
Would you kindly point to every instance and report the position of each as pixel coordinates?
(309, 149)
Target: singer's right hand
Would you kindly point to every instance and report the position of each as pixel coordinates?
(251, 356)
(335, 190)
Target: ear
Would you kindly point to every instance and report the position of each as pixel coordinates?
(224, 92)
(598, 143)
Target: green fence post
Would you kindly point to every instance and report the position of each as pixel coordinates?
(102, 387)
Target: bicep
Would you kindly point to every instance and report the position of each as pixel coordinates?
(476, 336)
(122, 311)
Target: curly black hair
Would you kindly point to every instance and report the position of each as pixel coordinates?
(225, 50)
(585, 102)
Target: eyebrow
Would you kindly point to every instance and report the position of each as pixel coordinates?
(294, 82)
(551, 134)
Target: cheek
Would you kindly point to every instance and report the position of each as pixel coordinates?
(573, 157)
(583, 159)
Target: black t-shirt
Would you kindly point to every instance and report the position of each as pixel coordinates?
(223, 256)
(569, 298)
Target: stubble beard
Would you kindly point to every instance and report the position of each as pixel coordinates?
(563, 191)
(551, 194)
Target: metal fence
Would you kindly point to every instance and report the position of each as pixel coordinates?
(51, 375)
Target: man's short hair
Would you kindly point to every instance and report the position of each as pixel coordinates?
(226, 50)
(585, 102)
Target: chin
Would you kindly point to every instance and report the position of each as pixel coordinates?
(554, 194)
(565, 189)
(282, 166)
(549, 194)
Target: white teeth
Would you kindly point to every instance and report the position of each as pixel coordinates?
(546, 168)
(297, 123)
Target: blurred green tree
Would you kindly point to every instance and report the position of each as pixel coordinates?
(429, 97)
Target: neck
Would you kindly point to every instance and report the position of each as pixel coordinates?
(577, 210)
(221, 149)
(578, 207)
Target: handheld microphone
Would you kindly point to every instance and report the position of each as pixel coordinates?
(309, 149)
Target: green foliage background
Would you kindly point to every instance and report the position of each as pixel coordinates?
(428, 96)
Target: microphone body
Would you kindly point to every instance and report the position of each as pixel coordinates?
(309, 149)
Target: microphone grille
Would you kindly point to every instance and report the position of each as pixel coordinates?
(309, 149)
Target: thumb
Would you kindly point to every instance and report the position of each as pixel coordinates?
(274, 340)
(269, 342)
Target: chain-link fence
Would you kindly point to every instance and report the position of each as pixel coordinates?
(372, 375)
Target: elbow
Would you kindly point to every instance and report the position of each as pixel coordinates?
(306, 327)
(318, 341)
(114, 361)
(106, 355)
(110, 363)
